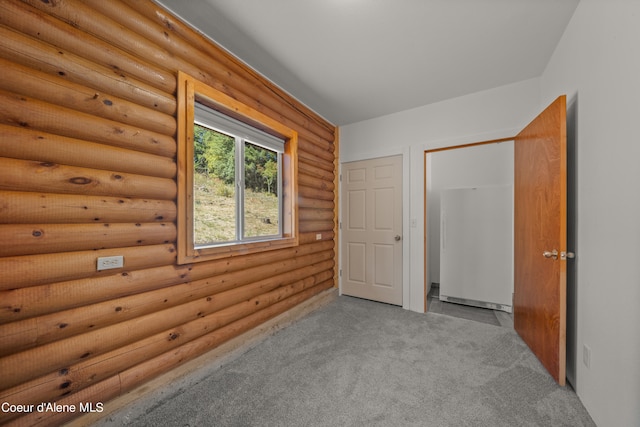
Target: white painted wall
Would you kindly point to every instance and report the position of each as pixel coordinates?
(479, 166)
(496, 113)
(597, 64)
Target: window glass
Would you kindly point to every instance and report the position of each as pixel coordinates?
(237, 184)
(214, 189)
(261, 191)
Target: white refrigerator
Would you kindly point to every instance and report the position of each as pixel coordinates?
(476, 246)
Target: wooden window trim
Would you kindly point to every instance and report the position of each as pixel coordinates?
(190, 91)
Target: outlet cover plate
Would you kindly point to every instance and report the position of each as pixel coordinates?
(586, 356)
(109, 262)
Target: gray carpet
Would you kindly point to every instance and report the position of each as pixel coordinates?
(356, 362)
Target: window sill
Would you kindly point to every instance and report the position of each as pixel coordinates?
(236, 249)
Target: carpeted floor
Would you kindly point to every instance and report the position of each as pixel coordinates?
(356, 362)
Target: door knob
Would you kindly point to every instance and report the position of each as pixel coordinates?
(550, 254)
(398, 238)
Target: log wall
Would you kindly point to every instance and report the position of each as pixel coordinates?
(88, 169)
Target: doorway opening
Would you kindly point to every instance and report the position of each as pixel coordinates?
(461, 176)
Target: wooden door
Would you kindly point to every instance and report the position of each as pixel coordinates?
(540, 233)
(372, 229)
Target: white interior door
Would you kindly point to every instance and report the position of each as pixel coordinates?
(372, 229)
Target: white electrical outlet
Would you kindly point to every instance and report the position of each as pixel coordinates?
(108, 262)
(318, 236)
(586, 356)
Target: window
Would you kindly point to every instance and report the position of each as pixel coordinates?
(236, 177)
(237, 186)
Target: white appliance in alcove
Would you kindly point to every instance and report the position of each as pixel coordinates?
(476, 246)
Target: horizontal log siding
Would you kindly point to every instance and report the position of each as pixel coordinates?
(88, 169)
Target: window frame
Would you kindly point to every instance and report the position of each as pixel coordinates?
(190, 91)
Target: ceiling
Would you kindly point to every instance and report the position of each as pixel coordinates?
(352, 60)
